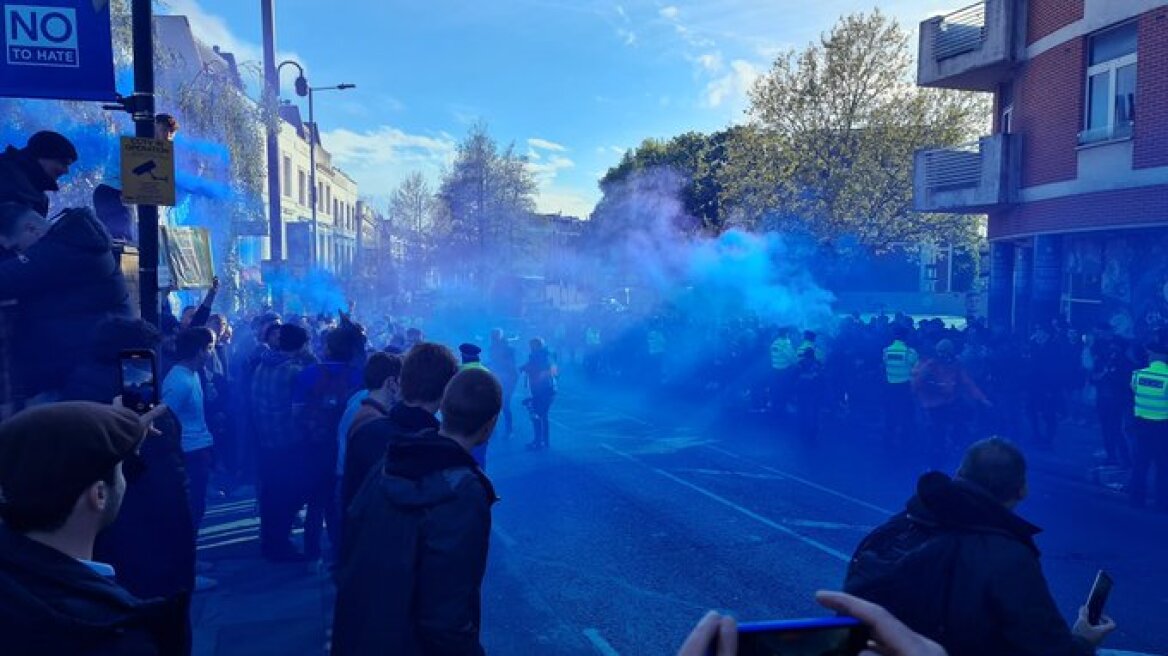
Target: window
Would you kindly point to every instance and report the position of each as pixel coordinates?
(302, 179)
(1111, 85)
(287, 176)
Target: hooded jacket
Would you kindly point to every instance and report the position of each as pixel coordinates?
(22, 180)
(410, 577)
(367, 444)
(998, 599)
(53, 604)
(65, 284)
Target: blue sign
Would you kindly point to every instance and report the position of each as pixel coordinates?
(60, 49)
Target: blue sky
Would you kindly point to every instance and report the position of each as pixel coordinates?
(573, 83)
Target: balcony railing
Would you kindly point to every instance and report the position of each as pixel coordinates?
(970, 177)
(971, 48)
(960, 32)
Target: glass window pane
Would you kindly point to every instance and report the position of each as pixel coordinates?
(1113, 43)
(1125, 95)
(1098, 100)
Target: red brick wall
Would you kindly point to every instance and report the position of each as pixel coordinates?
(1122, 208)
(1045, 17)
(1048, 114)
(1151, 129)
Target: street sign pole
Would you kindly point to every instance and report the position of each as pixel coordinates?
(143, 20)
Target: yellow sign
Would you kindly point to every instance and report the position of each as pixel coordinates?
(147, 171)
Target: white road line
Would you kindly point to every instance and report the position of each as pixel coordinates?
(810, 484)
(508, 541)
(600, 643)
(835, 553)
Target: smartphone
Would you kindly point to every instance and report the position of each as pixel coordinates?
(825, 636)
(1098, 597)
(138, 379)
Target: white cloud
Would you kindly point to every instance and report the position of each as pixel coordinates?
(544, 144)
(567, 201)
(379, 159)
(547, 170)
(213, 30)
(711, 61)
(669, 12)
(733, 85)
(629, 37)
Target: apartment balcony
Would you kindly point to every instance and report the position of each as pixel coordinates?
(970, 49)
(966, 179)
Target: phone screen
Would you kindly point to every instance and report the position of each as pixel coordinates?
(1098, 597)
(139, 380)
(830, 636)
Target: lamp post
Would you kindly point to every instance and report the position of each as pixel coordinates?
(303, 89)
(312, 160)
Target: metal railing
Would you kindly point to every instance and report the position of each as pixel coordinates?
(957, 167)
(960, 32)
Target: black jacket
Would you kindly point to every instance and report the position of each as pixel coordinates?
(999, 602)
(23, 181)
(53, 604)
(65, 284)
(367, 446)
(410, 578)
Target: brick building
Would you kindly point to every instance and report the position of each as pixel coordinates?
(1074, 177)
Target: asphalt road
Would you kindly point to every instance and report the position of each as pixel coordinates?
(643, 515)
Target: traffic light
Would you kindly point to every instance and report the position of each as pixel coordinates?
(301, 86)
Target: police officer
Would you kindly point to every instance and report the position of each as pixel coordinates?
(899, 411)
(1150, 426)
(471, 356)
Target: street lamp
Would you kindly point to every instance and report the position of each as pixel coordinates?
(303, 89)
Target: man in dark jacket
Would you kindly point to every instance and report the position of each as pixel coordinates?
(281, 453)
(61, 474)
(961, 568)
(152, 543)
(426, 371)
(65, 280)
(410, 582)
(27, 173)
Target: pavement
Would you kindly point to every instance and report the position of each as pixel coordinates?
(642, 515)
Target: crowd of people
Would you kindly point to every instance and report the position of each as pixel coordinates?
(378, 449)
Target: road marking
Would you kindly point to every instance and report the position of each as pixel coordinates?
(508, 541)
(816, 544)
(725, 472)
(600, 643)
(810, 484)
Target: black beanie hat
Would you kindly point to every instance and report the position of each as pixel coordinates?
(51, 145)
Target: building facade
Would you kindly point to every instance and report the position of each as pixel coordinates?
(1074, 177)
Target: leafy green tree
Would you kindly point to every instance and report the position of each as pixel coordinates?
(484, 201)
(829, 146)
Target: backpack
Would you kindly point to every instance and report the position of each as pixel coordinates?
(326, 403)
(908, 568)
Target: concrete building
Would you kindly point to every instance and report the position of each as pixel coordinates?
(1074, 177)
(337, 199)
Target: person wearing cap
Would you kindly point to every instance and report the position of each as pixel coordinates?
(1150, 426)
(66, 280)
(472, 357)
(61, 483)
(941, 384)
(899, 412)
(27, 173)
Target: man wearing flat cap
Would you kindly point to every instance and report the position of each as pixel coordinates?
(61, 483)
(27, 173)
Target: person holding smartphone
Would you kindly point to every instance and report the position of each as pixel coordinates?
(717, 635)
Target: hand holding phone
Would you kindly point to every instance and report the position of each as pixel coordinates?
(1100, 590)
(138, 379)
